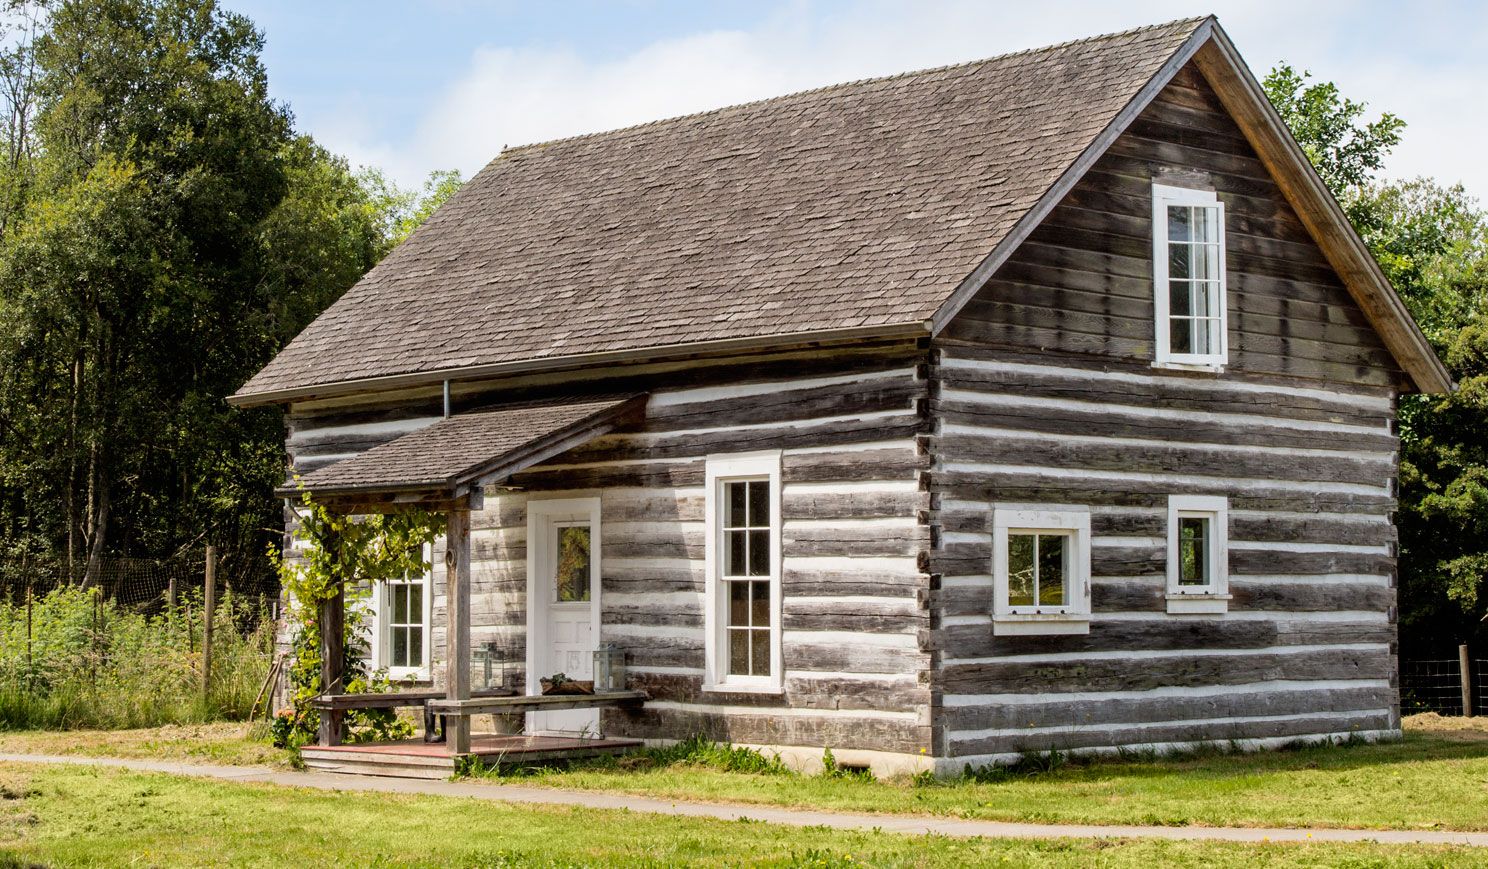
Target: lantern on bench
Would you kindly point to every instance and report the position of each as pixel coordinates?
(609, 669)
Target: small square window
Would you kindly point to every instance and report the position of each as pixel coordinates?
(1041, 570)
(1198, 557)
(1188, 265)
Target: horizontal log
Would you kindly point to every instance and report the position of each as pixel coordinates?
(1143, 673)
(1157, 634)
(1152, 391)
(1164, 710)
(1179, 458)
(1150, 734)
(801, 691)
(839, 731)
(1035, 488)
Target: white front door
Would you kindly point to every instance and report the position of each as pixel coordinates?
(562, 605)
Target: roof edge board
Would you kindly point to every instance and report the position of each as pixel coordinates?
(1242, 95)
(974, 282)
(337, 389)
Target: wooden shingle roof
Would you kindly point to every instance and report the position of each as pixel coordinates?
(858, 206)
(459, 450)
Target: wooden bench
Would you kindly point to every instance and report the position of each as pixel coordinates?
(433, 723)
(539, 703)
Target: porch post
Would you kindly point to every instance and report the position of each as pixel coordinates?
(332, 619)
(457, 627)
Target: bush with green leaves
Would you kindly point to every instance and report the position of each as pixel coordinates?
(343, 555)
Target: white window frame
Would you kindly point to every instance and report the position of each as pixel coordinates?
(723, 469)
(1214, 597)
(1074, 616)
(1162, 197)
(383, 609)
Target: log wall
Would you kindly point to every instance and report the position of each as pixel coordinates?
(855, 592)
(1043, 391)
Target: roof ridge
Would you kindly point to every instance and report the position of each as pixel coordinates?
(618, 131)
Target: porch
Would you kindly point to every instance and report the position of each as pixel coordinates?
(414, 758)
(445, 468)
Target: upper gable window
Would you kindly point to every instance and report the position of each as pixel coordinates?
(1188, 256)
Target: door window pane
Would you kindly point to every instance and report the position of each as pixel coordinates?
(573, 570)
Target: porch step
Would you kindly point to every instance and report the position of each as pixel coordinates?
(417, 759)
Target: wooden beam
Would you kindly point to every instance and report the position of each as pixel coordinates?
(457, 633)
(332, 661)
(540, 703)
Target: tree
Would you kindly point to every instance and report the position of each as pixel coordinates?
(1345, 152)
(404, 210)
(163, 232)
(1431, 240)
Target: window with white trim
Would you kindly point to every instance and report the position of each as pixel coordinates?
(404, 607)
(1041, 570)
(743, 573)
(1198, 554)
(1188, 265)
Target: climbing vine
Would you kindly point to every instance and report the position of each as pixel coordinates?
(351, 553)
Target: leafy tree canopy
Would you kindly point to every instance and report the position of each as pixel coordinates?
(163, 232)
(1431, 239)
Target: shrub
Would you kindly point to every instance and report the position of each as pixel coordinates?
(78, 660)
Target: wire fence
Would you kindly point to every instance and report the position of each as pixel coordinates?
(1436, 686)
(143, 585)
(131, 642)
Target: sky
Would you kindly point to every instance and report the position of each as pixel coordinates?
(413, 86)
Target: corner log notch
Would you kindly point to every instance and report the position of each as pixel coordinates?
(444, 468)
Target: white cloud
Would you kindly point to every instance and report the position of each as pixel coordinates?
(516, 95)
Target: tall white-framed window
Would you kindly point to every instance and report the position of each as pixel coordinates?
(404, 609)
(1188, 266)
(1040, 570)
(743, 605)
(1198, 554)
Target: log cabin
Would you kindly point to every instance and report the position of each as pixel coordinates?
(1044, 402)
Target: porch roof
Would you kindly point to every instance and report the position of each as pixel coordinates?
(450, 459)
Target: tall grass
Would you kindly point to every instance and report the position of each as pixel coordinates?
(76, 660)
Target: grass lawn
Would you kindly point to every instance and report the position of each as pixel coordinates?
(224, 743)
(1436, 778)
(58, 816)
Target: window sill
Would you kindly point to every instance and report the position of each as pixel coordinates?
(1198, 604)
(1196, 367)
(743, 688)
(1026, 625)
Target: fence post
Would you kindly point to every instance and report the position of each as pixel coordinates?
(30, 660)
(1464, 665)
(209, 608)
(170, 594)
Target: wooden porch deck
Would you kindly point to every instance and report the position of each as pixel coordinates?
(414, 758)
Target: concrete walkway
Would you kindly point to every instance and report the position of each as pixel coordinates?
(911, 824)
